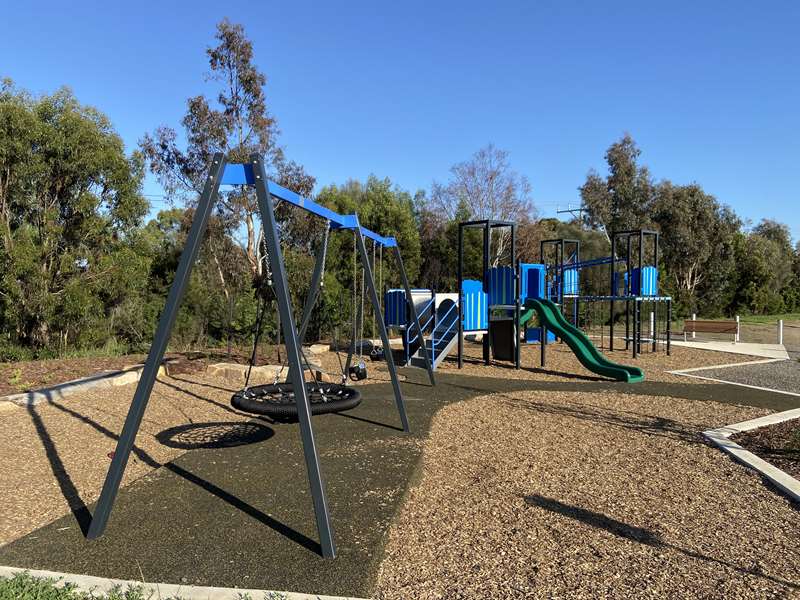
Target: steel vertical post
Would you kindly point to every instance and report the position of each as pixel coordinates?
(460, 293)
(487, 231)
(669, 327)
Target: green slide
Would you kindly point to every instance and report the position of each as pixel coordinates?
(526, 316)
(589, 356)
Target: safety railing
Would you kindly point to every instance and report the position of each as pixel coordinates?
(442, 319)
(409, 331)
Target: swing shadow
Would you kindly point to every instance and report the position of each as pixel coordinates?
(369, 421)
(84, 518)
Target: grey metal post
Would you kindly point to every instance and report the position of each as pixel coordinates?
(293, 355)
(780, 332)
(414, 315)
(669, 327)
(542, 344)
(145, 386)
(387, 352)
(487, 232)
(635, 326)
(313, 291)
(517, 290)
(460, 293)
(613, 291)
(653, 325)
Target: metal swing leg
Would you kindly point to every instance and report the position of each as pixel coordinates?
(145, 386)
(414, 315)
(398, 394)
(293, 355)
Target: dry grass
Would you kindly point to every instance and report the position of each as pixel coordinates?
(572, 495)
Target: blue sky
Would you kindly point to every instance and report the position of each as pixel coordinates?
(710, 91)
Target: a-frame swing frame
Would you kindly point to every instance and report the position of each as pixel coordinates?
(254, 174)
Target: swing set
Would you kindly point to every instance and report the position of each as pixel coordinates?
(296, 396)
(277, 400)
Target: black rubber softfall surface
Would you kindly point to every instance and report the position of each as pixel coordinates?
(242, 516)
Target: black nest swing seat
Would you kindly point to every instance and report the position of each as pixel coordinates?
(278, 400)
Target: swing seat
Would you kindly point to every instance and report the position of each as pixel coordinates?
(278, 400)
(358, 372)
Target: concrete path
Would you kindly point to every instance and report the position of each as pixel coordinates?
(95, 585)
(765, 350)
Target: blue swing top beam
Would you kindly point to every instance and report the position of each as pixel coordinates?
(242, 174)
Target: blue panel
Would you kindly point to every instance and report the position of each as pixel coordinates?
(571, 281)
(532, 277)
(475, 308)
(395, 308)
(236, 174)
(501, 286)
(533, 334)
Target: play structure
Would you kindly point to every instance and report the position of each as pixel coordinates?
(539, 303)
(632, 284)
(295, 398)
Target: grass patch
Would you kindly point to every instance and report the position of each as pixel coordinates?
(23, 586)
(769, 319)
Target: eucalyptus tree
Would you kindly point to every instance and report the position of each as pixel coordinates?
(70, 198)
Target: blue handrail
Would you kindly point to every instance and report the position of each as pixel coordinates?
(433, 335)
(411, 326)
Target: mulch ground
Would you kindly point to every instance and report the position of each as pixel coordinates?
(778, 444)
(585, 495)
(562, 364)
(535, 483)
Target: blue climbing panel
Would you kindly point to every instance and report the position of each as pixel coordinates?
(475, 306)
(501, 286)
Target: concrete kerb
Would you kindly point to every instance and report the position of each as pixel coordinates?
(89, 584)
(721, 438)
(62, 390)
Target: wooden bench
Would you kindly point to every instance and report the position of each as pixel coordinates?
(731, 327)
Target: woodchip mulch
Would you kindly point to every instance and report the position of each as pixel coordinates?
(562, 365)
(581, 495)
(467, 530)
(778, 444)
(54, 457)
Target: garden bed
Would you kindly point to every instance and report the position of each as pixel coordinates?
(778, 444)
(23, 376)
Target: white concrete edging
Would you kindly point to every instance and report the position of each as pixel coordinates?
(88, 583)
(62, 390)
(721, 438)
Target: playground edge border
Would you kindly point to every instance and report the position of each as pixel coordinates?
(88, 583)
(721, 438)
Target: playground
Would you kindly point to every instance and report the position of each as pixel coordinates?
(213, 497)
(504, 440)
